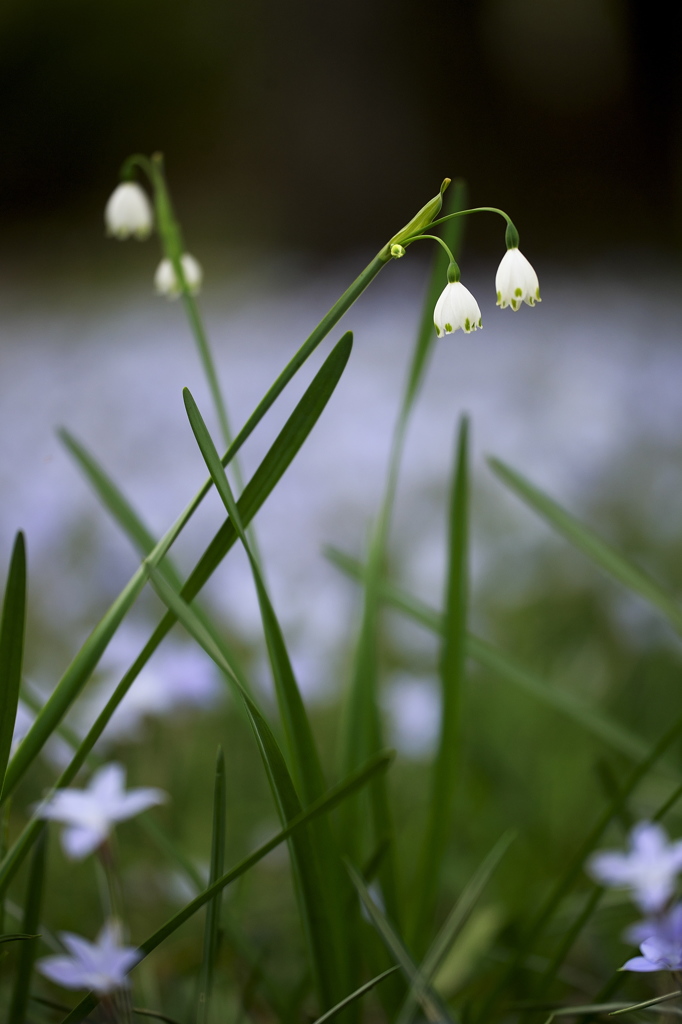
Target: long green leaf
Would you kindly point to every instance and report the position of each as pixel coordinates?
(311, 884)
(510, 669)
(109, 494)
(455, 922)
(275, 463)
(439, 823)
(330, 800)
(217, 870)
(582, 537)
(12, 626)
(305, 762)
(30, 924)
(431, 1003)
(354, 996)
(303, 756)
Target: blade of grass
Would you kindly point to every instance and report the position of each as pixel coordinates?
(305, 763)
(430, 1001)
(358, 994)
(30, 924)
(12, 627)
(217, 870)
(304, 760)
(331, 799)
(508, 668)
(596, 549)
(649, 1002)
(439, 824)
(274, 465)
(310, 883)
(456, 920)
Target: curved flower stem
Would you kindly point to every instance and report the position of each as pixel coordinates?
(433, 238)
(476, 209)
(173, 247)
(511, 235)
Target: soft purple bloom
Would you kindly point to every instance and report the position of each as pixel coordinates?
(90, 813)
(101, 966)
(662, 948)
(649, 869)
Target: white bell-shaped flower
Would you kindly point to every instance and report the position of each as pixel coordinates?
(128, 212)
(516, 281)
(166, 281)
(456, 308)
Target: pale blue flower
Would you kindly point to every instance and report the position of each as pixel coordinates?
(100, 966)
(649, 869)
(89, 814)
(662, 948)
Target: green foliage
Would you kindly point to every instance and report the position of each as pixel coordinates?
(386, 905)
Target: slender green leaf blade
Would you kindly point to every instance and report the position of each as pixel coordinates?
(12, 626)
(217, 870)
(582, 537)
(30, 924)
(311, 885)
(565, 703)
(457, 918)
(431, 1003)
(306, 767)
(304, 759)
(439, 822)
(354, 996)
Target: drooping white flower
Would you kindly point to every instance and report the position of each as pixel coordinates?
(456, 308)
(89, 814)
(101, 966)
(516, 281)
(649, 869)
(166, 281)
(128, 212)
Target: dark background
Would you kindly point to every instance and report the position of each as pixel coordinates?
(318, 126)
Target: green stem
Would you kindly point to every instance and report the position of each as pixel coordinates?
(476, 209)
(433, 238)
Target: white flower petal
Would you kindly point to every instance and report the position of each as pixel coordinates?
(516, 282)
(128, 212)
(166, 282)
(456, 308)
(80, 840)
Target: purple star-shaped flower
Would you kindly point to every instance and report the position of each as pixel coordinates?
(649, 869)
(662, 948)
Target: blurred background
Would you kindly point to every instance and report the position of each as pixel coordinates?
(317, 127)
